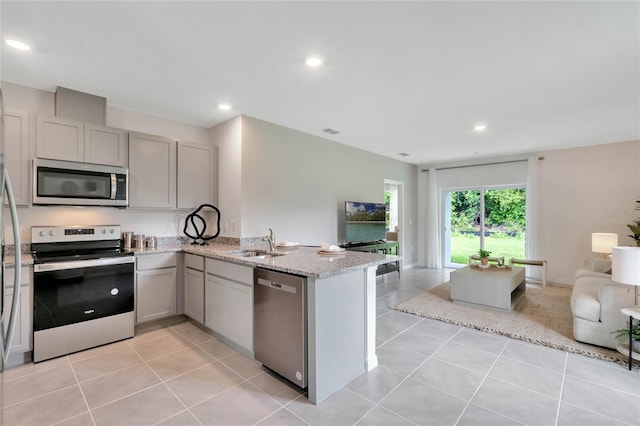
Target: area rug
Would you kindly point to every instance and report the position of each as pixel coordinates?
(541, 316)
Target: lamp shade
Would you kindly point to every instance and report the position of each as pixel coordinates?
(602, 242)
(625, 265)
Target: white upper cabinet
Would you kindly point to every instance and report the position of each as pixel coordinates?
(104, 145)
(152, 171)
(60, 139)
(16, 130)
(197, 175)
(63, 139)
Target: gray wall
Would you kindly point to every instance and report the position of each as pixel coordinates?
(297, 184)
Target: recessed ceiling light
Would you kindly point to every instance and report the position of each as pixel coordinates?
(224, 107)
(403, 154)
(480, 127)
(18, 45)
(331, 131)
(313, 61)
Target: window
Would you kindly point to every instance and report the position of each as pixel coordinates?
(491, 219)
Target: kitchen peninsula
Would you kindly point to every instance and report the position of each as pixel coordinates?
(341, 306)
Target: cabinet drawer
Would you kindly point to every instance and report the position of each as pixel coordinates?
(194, 261)
(232, 271)
(156, 261)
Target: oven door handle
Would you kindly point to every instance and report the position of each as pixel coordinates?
(76, 264)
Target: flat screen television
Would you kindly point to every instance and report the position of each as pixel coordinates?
(365, 222)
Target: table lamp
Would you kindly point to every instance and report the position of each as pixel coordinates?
(602, 242)
(625, 266)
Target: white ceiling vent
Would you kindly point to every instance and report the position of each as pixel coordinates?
(403, 154)
(331, 131)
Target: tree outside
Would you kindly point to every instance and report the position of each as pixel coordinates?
(504, 223)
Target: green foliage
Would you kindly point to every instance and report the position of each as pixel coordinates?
(506, 207)
(634, 227)
(623, 333)
(465, 206)
(463, 245)
(484, 253)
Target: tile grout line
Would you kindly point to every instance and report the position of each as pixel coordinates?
(484, 379)
(564, 376)
(406, 377)
(84, 398)
(167, 386)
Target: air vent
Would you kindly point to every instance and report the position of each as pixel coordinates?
(331, 131)
(403, 154)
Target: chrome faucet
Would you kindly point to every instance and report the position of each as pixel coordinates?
(270, 239)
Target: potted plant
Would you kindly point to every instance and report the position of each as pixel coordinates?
(484, 257)
(623, 335)
(635, 228)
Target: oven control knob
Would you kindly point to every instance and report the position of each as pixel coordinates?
(42, 233)
(104, 231)
(51, 233)
(111, 231)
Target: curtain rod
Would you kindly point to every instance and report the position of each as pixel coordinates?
(482, 164)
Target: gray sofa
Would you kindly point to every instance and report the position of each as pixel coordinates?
(596, 301)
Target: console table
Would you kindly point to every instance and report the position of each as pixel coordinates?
(387, 247)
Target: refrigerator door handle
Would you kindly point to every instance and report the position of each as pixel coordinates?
(7, 339)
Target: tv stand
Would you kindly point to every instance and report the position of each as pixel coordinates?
(382, 247)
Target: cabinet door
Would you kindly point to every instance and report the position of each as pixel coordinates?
(239, 304)
(152, 171)
(194, 294)
(22, 334)
(16, 142)
(197, 175)
(104, 145)
(215, 309)
(156, 294)
(60, 139)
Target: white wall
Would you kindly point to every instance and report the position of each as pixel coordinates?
(296, 184)
(585, 190)
(227, 137)
(158, 223)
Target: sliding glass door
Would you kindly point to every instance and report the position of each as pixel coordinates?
(491, 219)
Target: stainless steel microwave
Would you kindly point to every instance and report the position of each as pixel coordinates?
(79, 184)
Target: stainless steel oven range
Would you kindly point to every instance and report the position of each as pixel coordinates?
(83, 293)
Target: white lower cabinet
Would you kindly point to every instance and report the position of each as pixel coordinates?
(156, 286)
(215, 304)
(24, 319)
(194, 287)
(229, 301)
(239, 298)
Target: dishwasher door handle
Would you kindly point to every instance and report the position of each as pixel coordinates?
(277, 286)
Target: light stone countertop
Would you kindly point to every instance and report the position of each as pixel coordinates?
(303, 261)
(10, 260)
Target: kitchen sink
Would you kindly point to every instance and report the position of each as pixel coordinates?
(256, 254)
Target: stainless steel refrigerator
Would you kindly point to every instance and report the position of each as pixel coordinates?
(7, 317)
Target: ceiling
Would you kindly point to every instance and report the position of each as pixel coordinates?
(412, 77)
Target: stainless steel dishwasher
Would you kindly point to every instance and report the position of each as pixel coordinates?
(280, 324)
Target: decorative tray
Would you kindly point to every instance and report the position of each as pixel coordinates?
(491, 268)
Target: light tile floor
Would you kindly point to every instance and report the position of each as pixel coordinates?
(430, 373)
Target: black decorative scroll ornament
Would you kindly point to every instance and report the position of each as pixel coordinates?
(200, 238)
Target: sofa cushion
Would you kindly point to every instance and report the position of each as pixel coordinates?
(584, 298)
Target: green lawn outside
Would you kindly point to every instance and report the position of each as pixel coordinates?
(463, 246)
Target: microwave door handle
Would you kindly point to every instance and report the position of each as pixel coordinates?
(114, 186)
(8, 339)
